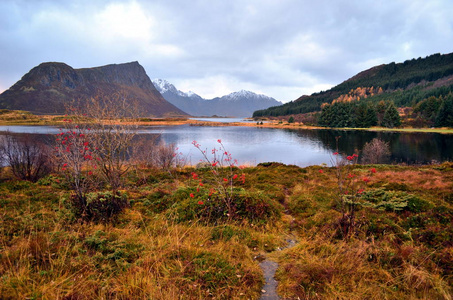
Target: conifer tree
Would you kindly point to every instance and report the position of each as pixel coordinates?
(371, 116)
(380, 110)
(326, 116)
(444, 117)
(361, 115)
(391, 116)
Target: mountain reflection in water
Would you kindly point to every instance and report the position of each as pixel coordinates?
(253, 145)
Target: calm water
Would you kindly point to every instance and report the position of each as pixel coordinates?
(252, 145)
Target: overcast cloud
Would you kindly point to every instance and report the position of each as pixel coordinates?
(280, 48)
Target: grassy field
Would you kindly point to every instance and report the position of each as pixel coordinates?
(176, 241)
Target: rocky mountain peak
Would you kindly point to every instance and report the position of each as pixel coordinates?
(48, 86)
(243, 94)
(165, 87)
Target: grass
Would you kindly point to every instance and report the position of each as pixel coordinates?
(18, 117)
(165, 245)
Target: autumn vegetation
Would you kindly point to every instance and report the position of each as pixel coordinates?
(100, 213)
(410, 87)
(194, 232)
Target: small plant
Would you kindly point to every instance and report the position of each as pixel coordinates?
(350, 189)
(101, 206)
(394, 201)
(224, 175)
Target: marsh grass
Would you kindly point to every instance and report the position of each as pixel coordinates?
(322, 269)
(151, 252)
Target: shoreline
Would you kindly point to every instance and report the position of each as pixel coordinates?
(302, 126)
(55, 120)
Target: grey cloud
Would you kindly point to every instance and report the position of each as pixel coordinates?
(289, 44)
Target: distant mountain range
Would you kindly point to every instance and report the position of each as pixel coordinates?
(406, 84)
(49, 87)
(237, 104)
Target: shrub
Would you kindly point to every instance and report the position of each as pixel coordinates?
(99, 206)
(375, 152)
(27, 157)
(256, 208)
(150, 153)
(157, 202)
(222, 178)
(394, 201)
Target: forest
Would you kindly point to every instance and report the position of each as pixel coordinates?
(405, 84)
(430, 112)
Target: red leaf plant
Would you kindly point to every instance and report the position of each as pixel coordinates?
(223, 176)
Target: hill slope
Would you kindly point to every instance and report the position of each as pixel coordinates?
(237, 104)
(47, 88)
(404, 83)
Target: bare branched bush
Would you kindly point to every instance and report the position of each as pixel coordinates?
(27, 157)
(95, 148)
(165, 156)
(75, 158)
(113, 128)
(148, 152)
(144, 151)
(375, 152)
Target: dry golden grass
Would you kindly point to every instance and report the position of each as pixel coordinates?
(149, 253)
(320, 269)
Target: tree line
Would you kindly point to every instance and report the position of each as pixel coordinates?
(359, 114)
(436, 111)
(432, 112)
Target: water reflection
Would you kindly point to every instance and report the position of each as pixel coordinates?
(410, 148)
(247, 144)
(252, 145)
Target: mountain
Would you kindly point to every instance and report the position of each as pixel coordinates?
(237, 104)
(242, 103)
(406, 84)
(47, 88)
(190, 103)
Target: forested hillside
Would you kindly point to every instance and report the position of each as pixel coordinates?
(405, 84)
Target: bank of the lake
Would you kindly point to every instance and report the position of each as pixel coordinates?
(8, 117)
(296, 125)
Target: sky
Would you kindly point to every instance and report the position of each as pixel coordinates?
(280, 48)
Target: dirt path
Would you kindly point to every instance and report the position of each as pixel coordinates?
(269, 290)
(269, 267)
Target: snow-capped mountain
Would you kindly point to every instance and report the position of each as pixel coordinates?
(187, 102)
(237, 96)
(163, 86)
(237, 104)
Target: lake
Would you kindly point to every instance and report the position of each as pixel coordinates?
(253, 145)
